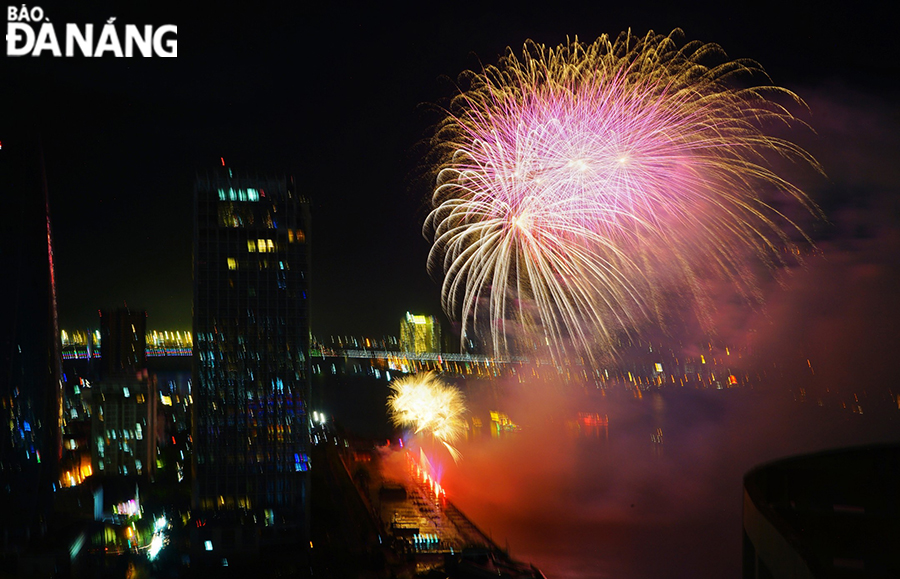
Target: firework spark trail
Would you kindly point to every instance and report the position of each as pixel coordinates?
(579, 185)
(427, 404)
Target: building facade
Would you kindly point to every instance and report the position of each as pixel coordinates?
(251, 344)
(124, 400)
(30, 357)
(123, 425)
(123, 342)
(420, 334)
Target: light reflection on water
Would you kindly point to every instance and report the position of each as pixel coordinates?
(619, 487)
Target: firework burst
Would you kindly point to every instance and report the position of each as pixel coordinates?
(578, 186)
(429, 405)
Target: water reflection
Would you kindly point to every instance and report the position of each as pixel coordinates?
(589, 425)
(617, 486)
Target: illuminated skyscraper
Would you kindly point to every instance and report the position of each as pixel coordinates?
(123, 429)
(124, 425)
(420, 334)
(251, 343)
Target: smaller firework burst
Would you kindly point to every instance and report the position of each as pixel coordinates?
(429, 405)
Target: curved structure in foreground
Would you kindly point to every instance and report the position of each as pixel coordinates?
(829, 514)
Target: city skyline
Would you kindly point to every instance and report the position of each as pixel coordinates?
(120, 169)
(577, 465)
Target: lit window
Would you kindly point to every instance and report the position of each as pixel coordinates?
(251, 245)
(261, 243)
(232, 263)
(126, 392)
(270, 245)
(208, 545)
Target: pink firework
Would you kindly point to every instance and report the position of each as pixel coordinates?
(578, 186)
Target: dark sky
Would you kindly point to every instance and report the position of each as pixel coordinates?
(337, 94)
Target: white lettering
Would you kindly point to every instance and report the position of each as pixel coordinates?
(23, 39)
(84, 41)
(171, 49)
(46, 40)
(133, 38)
(12, 39)
(108, 41)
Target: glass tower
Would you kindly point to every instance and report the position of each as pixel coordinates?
(420, 334)
(251, 344)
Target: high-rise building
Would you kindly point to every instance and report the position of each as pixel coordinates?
(123, 419)
(30, 358)
(123, 342)
(251, 344)
(420, 334)
(123, 426)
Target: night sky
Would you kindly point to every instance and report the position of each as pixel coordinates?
(340, 95)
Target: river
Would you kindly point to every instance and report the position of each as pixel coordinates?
(594, 486)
